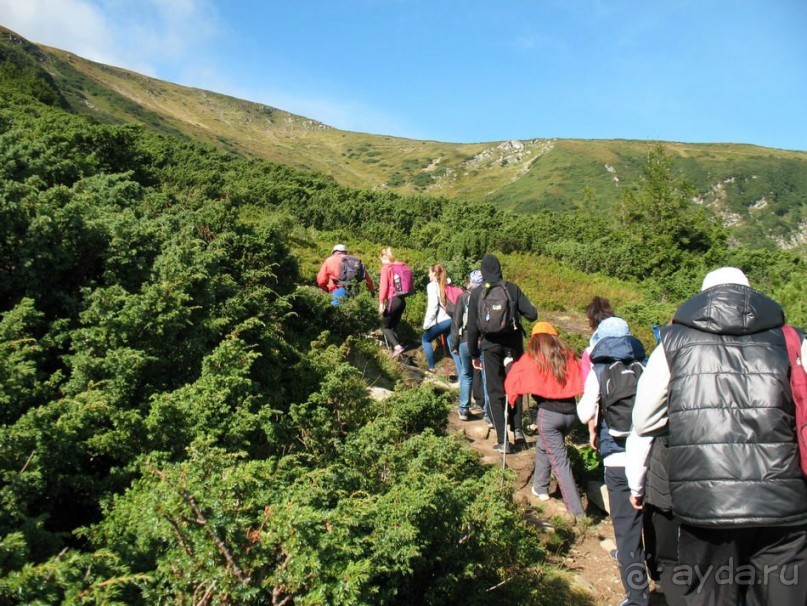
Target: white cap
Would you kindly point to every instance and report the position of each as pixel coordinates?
(724, 275)
(339, 248)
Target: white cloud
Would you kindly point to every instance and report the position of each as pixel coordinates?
(532, 42)
(75, 25)
(146, 36)
(171, 40)
(172, 30)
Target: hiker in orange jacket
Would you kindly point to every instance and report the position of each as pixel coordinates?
(330, 272)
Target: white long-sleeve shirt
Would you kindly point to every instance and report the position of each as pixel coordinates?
(649, 418)
(435, 312)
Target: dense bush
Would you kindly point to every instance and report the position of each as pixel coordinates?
(183, 420)
(180, 418)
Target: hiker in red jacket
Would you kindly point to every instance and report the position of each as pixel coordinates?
(550, 372)
(394, 285)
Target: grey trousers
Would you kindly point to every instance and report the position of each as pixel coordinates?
(551, 456)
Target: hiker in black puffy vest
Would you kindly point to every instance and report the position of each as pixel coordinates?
(718, 386)
(496, 348)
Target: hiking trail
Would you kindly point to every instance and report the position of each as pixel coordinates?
(583, 550)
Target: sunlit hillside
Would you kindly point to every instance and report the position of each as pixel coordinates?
(759, 191)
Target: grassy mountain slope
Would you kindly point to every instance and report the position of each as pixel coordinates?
(759, 190)
(185, 414)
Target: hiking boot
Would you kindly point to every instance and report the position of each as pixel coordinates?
(397, 351)
(518, 436)
(542, 496)
(463, 414)
(503, 447)
(489, 422)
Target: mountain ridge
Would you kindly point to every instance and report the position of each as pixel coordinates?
(759, 190)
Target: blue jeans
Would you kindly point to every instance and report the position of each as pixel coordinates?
(337, 295)
(441, 328)
(465, 370)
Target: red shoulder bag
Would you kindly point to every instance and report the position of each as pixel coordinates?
(798, 385)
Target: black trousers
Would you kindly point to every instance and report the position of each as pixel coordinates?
(661, 550)
(627, 523)
(493, 362)
(478, 389)
(753, 566)
(390, 320)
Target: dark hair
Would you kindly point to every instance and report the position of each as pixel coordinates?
(597, 311)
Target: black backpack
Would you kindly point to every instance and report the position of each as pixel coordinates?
(352, 271)
(618, 395)
(495, 310)
(462, 303)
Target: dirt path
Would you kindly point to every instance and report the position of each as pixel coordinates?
(584, 551)
(587, 557)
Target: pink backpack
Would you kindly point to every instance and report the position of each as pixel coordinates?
(453, 293)
(798, 385)
(402, 283)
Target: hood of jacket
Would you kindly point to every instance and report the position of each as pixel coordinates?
(626, 347)
(730, 309)
(610, 327)
(491, 269)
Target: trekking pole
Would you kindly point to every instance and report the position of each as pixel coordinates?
(506, 442)
(445, 354)
(508, 360)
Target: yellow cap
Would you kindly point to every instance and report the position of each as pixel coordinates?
(544, 327)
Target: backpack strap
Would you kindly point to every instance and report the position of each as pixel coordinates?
(513, 308)
(793, 346)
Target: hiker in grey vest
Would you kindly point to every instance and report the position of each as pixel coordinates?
(718, 385)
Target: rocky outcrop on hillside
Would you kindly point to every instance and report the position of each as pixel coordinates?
(509, 153)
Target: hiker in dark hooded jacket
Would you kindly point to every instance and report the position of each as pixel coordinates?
(496, 348)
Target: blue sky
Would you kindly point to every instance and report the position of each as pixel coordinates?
(468, 71)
